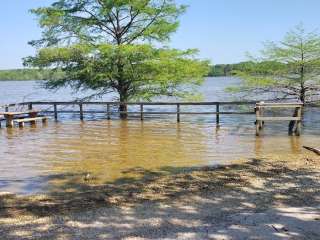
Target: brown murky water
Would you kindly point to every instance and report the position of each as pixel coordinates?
(38, 159)
(34, 159)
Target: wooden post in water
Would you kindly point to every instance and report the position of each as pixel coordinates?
(178, 112)
(81, 111)
(141, 112)
(217, 114)
(108, 112)
(298, 122)
(257, 109)
(55, 111)
(261, 114)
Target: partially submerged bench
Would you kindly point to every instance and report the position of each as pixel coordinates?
(22, 121)
(295, 120)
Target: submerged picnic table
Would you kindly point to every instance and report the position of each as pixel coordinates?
(19, 116)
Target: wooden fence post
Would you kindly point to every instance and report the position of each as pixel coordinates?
(257, 109)
(298, 123)
(178, 112)
(81, 111)
(108, 112)
(55, 111)
(141, 112)
(217, 114)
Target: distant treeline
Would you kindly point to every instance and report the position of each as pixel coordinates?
(228, 69)
(24, 74)
(35, 74)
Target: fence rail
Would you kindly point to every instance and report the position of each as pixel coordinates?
(54, 108)
(142, 111)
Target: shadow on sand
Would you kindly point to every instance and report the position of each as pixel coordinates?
(259, 199)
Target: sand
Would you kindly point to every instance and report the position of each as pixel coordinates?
(257, 199)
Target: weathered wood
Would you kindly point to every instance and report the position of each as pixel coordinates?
(141, 112)
(280, 105)
(138, 103)
(298, 123)
(18, 113)
(277, 119)
(217, 114)
(108, 112)
(81, 111)
(55, 111)
(257, 109)
(157, 113)
(30, 119)
(9, 121)
(315, 150)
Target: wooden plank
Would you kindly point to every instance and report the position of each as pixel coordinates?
(316, 151)
(18, 113)
(278, 118)
(145, 113)
(29, 119)
(148, 103)
(279, 105)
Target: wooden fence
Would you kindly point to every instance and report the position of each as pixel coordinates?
(214, 108)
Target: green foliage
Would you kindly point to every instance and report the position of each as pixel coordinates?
(26, 74)
(219, 70)
(109, 45)
(112, 21)
(289, 68)
(147, 71)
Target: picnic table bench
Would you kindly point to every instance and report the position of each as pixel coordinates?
(295, 120)
(19, 117)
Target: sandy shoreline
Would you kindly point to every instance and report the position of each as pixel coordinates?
(258, 199)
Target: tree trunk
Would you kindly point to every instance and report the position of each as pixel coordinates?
(123, 107)
(302, 96)
(122, 87)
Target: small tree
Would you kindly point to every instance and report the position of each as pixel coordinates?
(288, 69)
(107, 45)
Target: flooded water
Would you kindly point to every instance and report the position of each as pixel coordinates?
(38, 159)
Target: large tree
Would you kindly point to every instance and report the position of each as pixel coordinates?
(287, 69)
(110, 45)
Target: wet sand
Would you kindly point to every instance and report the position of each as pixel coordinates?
(256, 199)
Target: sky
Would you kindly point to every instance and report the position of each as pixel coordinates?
(222, 30)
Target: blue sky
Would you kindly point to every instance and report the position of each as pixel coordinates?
(223, 30)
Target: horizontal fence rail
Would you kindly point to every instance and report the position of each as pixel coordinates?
(54, 108)
(142, 112)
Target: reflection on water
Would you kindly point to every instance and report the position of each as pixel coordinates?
(106, 149)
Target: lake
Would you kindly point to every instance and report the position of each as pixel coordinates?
(43, 158)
